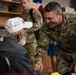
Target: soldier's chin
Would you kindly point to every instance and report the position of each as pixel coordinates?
(51, 26)
(25, 9)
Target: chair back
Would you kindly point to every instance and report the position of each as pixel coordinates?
(4, 64)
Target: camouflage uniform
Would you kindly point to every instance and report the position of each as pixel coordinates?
(31, 42)
(65, 35)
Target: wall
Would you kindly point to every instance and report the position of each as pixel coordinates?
(73, 4)
(63, 3)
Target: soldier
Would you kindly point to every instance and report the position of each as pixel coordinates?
(60, 27)
(33, 15)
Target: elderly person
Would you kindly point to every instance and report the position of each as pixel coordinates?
(11, 46)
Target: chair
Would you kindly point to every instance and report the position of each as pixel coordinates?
(4, 64)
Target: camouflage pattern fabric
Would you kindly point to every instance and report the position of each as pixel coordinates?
(31, 42)
(65, 35)
(65, 61)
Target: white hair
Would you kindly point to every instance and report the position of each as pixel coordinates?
(13, 34)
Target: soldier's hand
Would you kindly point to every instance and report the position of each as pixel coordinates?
(38, 66)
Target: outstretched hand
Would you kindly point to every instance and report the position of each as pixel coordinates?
(38, 66)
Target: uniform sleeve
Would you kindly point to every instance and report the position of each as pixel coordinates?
(23, 65)
(42, 45)
(38, 21)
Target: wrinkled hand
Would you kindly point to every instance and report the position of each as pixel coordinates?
(38, 66)
(75, 67)
(75, 71)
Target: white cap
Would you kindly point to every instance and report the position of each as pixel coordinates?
(16, 24)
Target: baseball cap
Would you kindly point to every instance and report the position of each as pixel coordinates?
(15, 24)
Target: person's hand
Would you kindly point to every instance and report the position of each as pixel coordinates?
(38, 66)
(74, 67)
(75, 70)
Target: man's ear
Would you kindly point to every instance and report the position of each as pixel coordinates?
(20, 35)
(60, 13)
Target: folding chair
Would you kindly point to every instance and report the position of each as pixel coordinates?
(4, 64)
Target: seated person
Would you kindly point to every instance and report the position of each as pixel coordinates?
(11, 46)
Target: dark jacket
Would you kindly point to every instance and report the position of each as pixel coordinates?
(17, 56)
